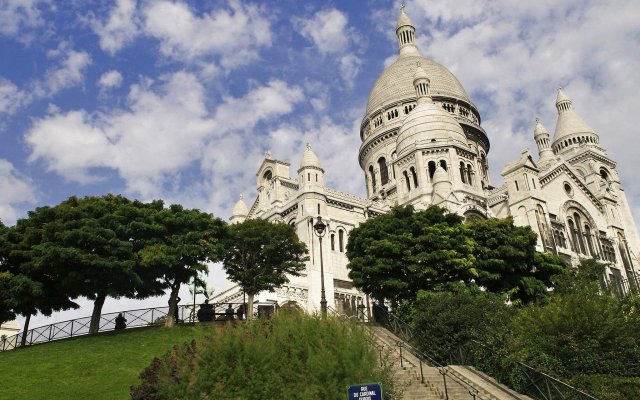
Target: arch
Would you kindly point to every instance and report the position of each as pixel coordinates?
(267, 175)
(473, 215)
(463, 171)
(406, 180)
(372, 174)
(604, 174)
(341, 240)
(333, 242)
(291, 305)
(415, 176)
(384, 172)
(443, 164)
(469, 174)
(431, 169)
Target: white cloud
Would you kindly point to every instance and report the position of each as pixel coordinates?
(11, 98)
(19, 17)
(120, 27)
(16, 190)
(165, 130)
(233, 36)
(110, 79)
(329, 31)
(69, 71)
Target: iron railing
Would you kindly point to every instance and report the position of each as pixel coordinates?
(538, 385)
(186, 313)
(623, 287)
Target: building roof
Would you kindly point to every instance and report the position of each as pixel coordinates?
(403, 20)
(569, 122)
(240, 209)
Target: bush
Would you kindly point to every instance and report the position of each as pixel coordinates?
(607, 387)
(290, 356)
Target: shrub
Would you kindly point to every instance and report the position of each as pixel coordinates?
(290, 356)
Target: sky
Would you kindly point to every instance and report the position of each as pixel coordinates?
(179, 100)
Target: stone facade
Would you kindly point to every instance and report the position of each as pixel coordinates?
(423, 144)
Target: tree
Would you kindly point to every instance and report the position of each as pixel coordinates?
(181, 244)
(90, 245)
(30, 287)
(507, 261)
(395, 255)
(260, 254)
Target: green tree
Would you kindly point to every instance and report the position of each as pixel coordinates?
(395, 255)
(30, 287)
(90, 245)
(507, 261)
(260, 254)
(179, 247)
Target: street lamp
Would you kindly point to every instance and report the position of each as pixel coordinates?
(320, 227)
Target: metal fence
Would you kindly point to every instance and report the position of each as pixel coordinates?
(623, 287)
(538, 385)
(186, 313)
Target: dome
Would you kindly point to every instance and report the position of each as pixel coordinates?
(309, 159)
(396, 82)
(569, 124)
(429, 123)
(240, 209)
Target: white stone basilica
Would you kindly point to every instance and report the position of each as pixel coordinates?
(423, 144)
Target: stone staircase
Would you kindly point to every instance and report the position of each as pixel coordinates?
(462, 382)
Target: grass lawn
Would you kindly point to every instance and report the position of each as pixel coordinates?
(103, 366)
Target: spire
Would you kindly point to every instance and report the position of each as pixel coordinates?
(571, 129)
(563, 103)
(406, 33)
(309, 159)
(541, 135)
(421, 84)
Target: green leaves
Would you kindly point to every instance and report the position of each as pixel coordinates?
(395, 255)
(260, 254)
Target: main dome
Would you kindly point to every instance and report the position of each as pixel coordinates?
(396, 82)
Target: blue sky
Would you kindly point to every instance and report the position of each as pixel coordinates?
(180, 100)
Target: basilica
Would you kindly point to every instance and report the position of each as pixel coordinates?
(423, 144)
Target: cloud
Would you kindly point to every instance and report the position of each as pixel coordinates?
(110, 79)
(69, 71)
(18, 18)
(231, 36)
(11, 98)
(119, 29)
(330, 33)
(165, 130)
(16, 190)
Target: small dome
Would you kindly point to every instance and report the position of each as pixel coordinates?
(240, 209)
(428, 123)
(309, 159)
(540, 129)
(569, 123)
(440, 176)
(403, 20)
(561, 97)
(420, 74)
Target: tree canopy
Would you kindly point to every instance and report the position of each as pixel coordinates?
(180, 244)
(395, 255)
(260, 254)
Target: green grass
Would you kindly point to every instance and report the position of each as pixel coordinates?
(103, 366)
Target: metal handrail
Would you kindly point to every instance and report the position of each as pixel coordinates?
(136, 318)
(548, 387)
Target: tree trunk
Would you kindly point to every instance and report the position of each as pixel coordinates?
(173, 304)
(249, 310)
(94, 326)
(25, 329)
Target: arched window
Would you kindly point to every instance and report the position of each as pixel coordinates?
(463, 174)
(415, 176)
(469, 176)
(372, 174)
(333, 242)
(589, 238)
(267, 175)
(406, 180)
(579, 233)
(573, 234)
(443, 164)
(341, 240)
(384, 172)
(432, 169)
(604, 174)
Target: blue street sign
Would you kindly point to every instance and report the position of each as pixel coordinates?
(365, 391)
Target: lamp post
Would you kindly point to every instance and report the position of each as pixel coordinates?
(320, 227)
